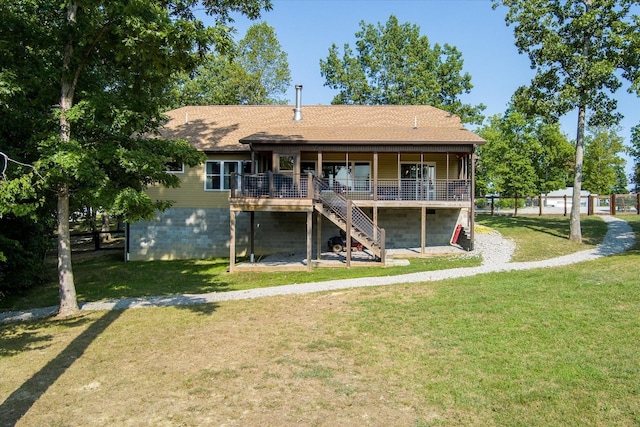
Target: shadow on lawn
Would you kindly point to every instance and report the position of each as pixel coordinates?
(592, 230)
(24, 397)
(108, 277)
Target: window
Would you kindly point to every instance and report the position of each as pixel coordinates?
(418, 181)
(354, 177)
(308, 167)
(287, 162)
(217, 174)
(174, 167)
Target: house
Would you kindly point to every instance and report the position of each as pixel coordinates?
(564, 197)
(283, 178)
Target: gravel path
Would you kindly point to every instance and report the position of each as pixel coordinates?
(495, 250)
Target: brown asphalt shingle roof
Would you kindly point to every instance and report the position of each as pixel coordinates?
(221, 128)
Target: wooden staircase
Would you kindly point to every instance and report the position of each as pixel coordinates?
(349, 218)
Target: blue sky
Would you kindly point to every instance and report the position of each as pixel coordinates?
(307, 28)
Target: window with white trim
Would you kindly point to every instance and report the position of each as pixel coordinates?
(217, 174)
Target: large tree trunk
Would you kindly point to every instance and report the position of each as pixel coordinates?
(68, 301)
(575, 234)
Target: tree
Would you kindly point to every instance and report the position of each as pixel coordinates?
(522, 157)
(261, 56)
(580, 49)
(110, 64)
(603, 161)
(254, 72)
(634, 152)
(394, 64)
(218, 81)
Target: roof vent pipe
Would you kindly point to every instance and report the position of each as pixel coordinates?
(297, 112)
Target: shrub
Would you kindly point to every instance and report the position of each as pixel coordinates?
(23, 244)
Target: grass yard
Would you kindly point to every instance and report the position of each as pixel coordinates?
(539, 238)
(549, 347)
(108, 277)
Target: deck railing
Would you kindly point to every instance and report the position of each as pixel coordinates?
(273, 185)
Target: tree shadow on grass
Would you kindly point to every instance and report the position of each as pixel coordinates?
(24, 397)
(17, 337)
(109, 278)
(592, 230)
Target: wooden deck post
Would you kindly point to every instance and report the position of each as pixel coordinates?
(472, 196)
(319, 235)
(232, 185)
(423, 229)
(383, 250)
(375, 175)
(310, 187)
(348, 230)
(232, 240)
(270, 176)
(309, 239)
(252, 236)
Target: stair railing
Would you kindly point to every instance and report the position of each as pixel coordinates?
(339, 205)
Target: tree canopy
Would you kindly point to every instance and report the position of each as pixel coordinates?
(634, 152)
(603, 161)
(254, 71)
(582, 51)
(522, 157)
(83, 87)
(394, 64)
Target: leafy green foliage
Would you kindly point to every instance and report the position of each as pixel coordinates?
(603, 162)
(576, 47)
(85, 84)
(23, 244)
(394, 64)
(261, 56)
(522, 157)
(634, 152)
(255, 71)
(581, 50)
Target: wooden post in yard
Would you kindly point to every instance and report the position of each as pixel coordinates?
(232, 240)
(612, 204)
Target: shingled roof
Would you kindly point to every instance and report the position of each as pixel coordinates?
(230, 127)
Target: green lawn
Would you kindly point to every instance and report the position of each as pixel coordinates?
(108, 277)
(547, 236)
(547, 347)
